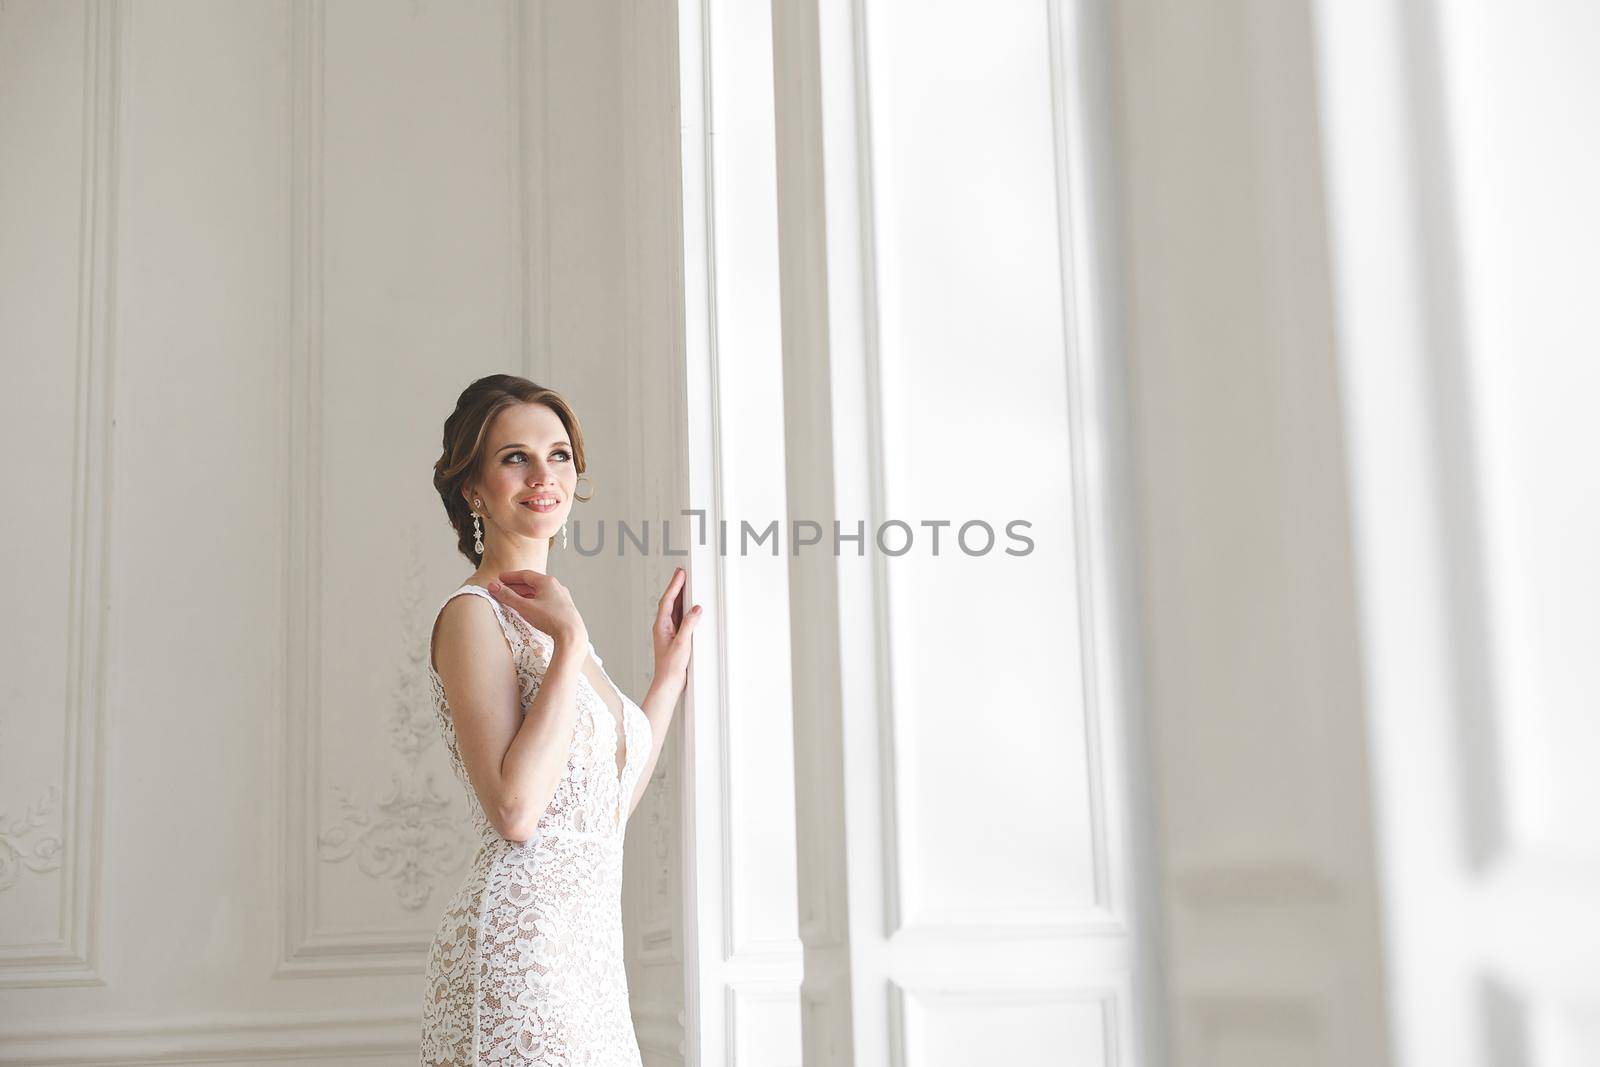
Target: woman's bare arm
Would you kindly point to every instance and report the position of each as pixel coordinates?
(514, 761)
(670, 636)
(659, 706)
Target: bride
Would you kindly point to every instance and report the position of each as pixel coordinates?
(526, 963)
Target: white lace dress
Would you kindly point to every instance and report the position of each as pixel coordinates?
(526, 965)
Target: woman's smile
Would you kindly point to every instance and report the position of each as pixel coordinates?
(543, 503)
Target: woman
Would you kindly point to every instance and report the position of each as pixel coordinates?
(526, 965)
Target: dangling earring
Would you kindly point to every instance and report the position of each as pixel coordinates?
(477, 528)
(563, 535)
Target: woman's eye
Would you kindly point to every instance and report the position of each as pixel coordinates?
(510, 454)
(563, 453)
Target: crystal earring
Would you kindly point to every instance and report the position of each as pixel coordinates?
(563, 535)
(477, 528)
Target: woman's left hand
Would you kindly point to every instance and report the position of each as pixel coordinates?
(673, 640)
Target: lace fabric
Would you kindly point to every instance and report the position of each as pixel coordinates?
(526, 963)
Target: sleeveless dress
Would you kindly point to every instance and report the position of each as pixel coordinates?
(526, 965)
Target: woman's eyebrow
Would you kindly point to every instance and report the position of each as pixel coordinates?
(553, 444)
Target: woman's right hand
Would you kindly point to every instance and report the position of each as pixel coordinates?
(544, 603)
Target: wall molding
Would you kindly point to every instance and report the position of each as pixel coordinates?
(742, 1004)
(909, 1003)
(527, 133)
(309, 946)
(302, 951)
(72, 958)
(410, 835)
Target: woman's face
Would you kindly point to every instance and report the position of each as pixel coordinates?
(529, 459)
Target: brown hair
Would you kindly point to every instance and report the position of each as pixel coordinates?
(466, 434)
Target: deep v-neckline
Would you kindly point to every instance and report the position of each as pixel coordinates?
(619, 722)
(620, 725)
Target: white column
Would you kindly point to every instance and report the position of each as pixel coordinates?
(740, 928)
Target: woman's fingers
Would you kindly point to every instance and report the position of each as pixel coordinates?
(685, 628)
(504, 593)
(664, 608)
(527, 584)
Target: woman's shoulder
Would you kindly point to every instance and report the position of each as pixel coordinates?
(465, 628)
(462, 604)
(519, 633)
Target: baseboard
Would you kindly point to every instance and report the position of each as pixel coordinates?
(219, 1039)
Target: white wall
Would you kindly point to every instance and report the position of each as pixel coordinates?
(1269, 316)
(253, 252)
